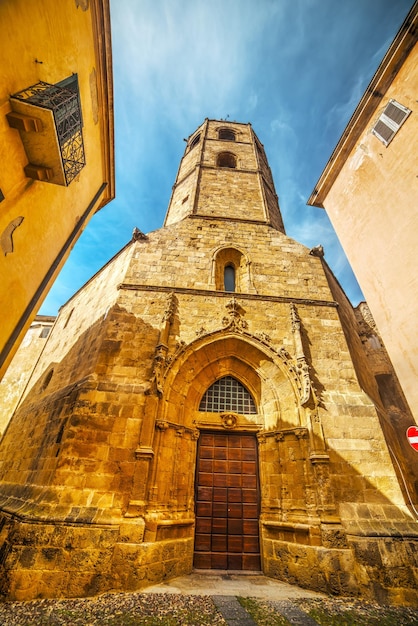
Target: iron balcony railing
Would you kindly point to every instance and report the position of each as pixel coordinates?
(65, 106)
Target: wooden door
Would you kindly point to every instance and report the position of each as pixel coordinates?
(227, 502)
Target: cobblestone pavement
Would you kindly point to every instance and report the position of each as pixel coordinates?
(199, 599)
(139, 609)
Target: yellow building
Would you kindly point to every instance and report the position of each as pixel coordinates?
(206, 400)
(369, 189)
(56, 145)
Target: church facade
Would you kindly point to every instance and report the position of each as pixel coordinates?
(205, 401)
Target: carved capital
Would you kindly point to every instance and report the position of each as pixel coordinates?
(301, 433)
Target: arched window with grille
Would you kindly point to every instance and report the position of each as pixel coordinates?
(228, 394)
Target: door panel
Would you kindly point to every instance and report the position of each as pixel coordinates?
(227, 503)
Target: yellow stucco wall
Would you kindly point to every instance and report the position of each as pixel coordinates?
(48, 42)
(373, 207)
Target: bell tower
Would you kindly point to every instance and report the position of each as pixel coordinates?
(224, 174)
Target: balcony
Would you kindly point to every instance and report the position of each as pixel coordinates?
(48, 118)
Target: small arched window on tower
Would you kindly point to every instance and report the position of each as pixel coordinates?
(226, 159)
(226, 134)
(194, 141)
(230, 271)
(229, 277)
(228, 394)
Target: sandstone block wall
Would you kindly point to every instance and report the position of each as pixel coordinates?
(104, 445)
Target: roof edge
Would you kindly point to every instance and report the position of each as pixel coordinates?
(100, 11)
(398, 51)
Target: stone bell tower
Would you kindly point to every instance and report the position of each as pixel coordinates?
(205, 401)
(225, 156)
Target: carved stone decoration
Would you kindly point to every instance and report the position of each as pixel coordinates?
(263, 337)
(317, 251)
(305, 385)
(161, 349)
(229, 420)
(171, 308)
(234, 320)
(301, 433)
(138, 235)
(159, 360)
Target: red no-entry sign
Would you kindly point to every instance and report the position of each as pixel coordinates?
(412, 434)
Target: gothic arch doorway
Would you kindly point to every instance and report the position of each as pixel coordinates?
(196, 442)
(227, 502)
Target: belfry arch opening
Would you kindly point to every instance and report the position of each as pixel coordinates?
(226, 159)
(226, 134)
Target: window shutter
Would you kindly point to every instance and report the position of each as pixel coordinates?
(390, 121)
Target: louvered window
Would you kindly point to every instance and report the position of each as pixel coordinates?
(227, 394)
(390, 121)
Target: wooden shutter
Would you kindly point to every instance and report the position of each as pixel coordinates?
(390, 121)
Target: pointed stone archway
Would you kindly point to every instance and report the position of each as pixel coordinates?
(209, 443)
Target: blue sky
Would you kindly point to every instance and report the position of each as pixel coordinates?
(295, 69)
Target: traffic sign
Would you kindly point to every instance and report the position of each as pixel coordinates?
(412, 434)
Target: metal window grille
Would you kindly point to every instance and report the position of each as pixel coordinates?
(227, 394)
(390, 121)
(65, 106)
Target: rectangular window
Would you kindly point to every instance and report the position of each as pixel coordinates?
(390, 121)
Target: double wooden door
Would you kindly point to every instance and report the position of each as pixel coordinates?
(227, 502)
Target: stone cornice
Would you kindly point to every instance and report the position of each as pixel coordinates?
(225, 294)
